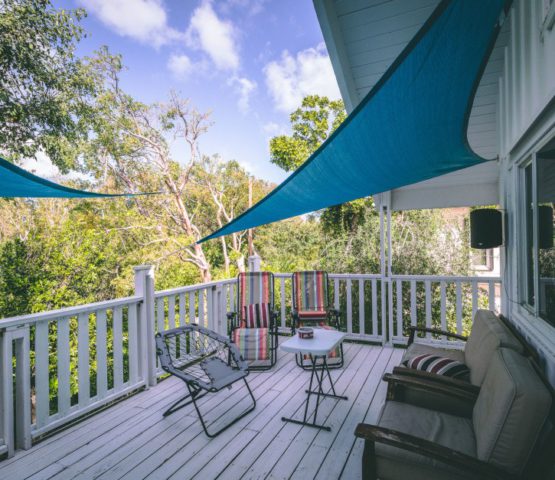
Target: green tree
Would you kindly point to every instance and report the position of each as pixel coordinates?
(311, 123)
(43, 86)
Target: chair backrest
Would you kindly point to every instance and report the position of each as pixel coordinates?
(254, 288)
(510, 412)
(310, 291)
(487, 335)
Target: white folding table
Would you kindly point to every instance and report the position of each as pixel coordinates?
(317, 348)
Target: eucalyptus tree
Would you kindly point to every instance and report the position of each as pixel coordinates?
(44, 89)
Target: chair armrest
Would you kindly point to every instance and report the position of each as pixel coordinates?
(426, 385)
(437, 331)
(376, 434)
(435, 378)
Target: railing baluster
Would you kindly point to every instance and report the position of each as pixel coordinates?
(62, 347)
(210, 308)
(283, 302)
(349, 307)
(192, 308)
(375, 308)
(160, 314)
(117, 333)
(201, 308)
(428, 288)
(443, 307)
(336, 293)
(83, 359)
(399, 308)
(474, 297)
(459, 307)
(171, 312)
(42, 383)
(133, 344)
(101, 355)
(413, 314)
(491, 294)
(182, 309)
(361, 306)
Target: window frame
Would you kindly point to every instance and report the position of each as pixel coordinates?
(523, 252)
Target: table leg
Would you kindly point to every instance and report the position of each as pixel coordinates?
(319, 393)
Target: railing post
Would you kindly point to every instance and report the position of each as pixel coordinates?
(144, 287)
(217, 309)
(16, 429)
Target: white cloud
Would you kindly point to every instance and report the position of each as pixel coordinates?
(291, 78)
(180, 65)
(273, 129)
(40, 165)
(143, 20)
(244, 87)
(216, 37)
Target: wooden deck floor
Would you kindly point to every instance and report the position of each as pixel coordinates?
(132, 441)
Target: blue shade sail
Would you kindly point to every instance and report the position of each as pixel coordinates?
(16, 182)
(410, 127)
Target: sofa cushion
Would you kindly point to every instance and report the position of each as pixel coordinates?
(488, 333)
(439, 365)
(416, 349)
(510, 411)
(448, 430)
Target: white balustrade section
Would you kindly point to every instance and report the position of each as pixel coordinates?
(69, 362)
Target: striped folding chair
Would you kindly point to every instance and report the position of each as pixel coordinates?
(253, 326)
(311, 307)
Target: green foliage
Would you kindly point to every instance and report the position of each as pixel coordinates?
(312, 123)
(43, 86)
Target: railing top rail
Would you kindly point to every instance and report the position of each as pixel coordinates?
(356, 276)
(193, 288)
(67, 312)
(446, 278)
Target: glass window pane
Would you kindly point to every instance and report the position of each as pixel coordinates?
(546, 258)
(529, 212)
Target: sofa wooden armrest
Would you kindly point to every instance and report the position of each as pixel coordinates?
(395, 381)
(373, 434)
(414, 329)
(434, 377)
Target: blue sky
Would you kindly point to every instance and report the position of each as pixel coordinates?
(248, 61)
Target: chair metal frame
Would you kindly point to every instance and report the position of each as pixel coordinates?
(197, 347)
(234, 319)
(333, 317)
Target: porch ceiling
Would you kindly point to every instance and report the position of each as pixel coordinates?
(363, 38)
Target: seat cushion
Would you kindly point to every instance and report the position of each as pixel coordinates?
(510, 411)
(417, 349)
(312, 314)
(488, 333)
(447, 430)
(253, 343)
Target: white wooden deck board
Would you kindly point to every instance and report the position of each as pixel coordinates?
(131, 440)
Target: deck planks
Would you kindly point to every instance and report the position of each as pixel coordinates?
(131, 440)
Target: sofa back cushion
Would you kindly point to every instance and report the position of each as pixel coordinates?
(510, 411)
(488, 333)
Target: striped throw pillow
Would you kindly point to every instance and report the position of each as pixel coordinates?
(257, 315)
(439, 365)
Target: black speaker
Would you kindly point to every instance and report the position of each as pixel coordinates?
(545, 226)
(486, 228)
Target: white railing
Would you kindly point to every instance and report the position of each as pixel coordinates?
(62, 364)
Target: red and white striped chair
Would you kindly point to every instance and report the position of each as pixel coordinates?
(253, 326)
(311, 307)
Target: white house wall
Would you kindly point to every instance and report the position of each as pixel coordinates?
(526, 121)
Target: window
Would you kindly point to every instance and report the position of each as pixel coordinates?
(539, 259)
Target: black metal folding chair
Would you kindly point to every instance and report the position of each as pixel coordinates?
(205, 361)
